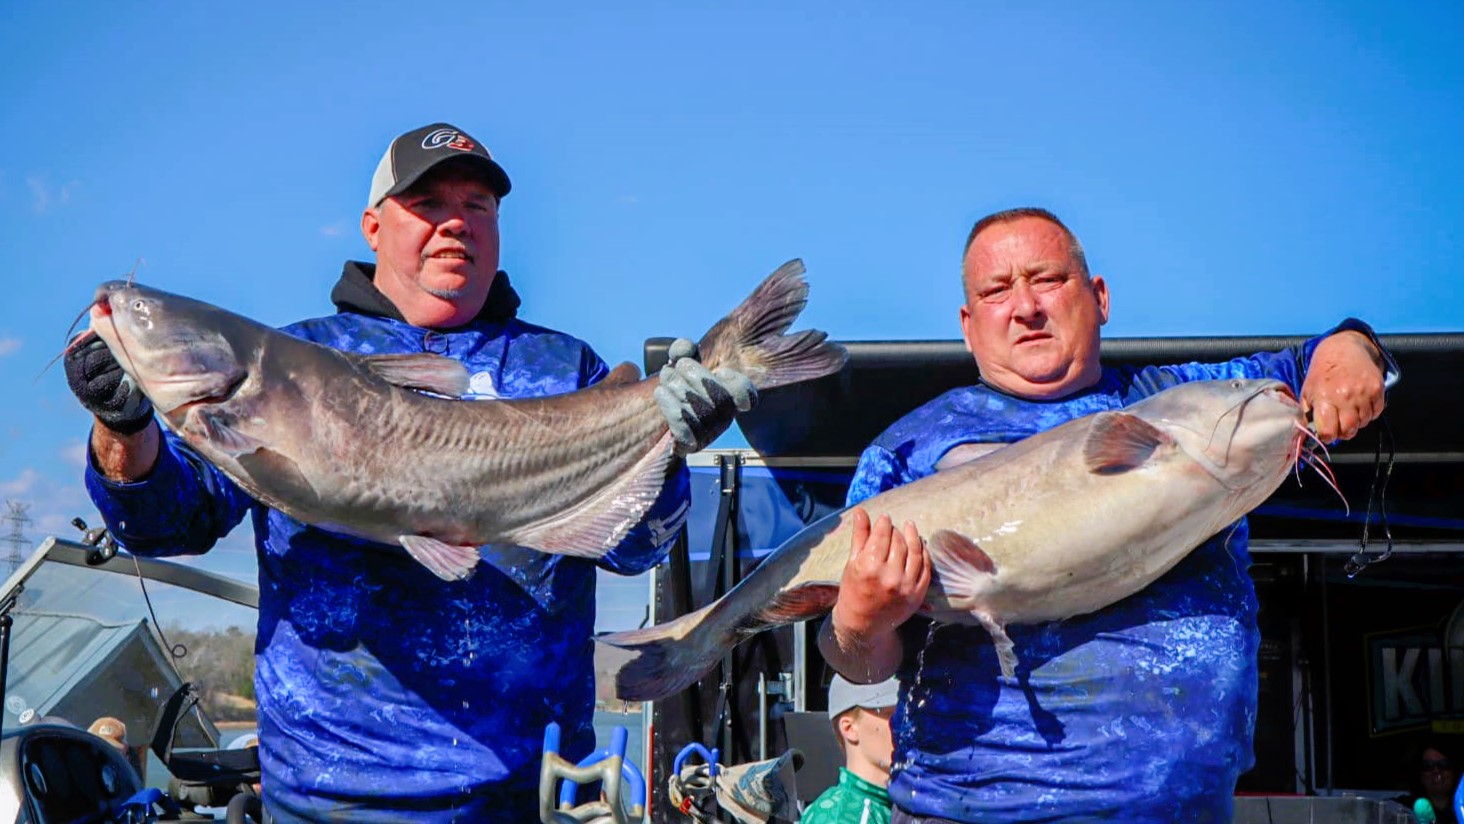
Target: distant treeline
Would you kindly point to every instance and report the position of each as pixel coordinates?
(221, 663)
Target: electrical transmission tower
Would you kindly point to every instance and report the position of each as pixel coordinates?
(19, 543)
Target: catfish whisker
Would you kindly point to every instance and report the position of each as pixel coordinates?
(1316, 441)
(1327, 475)
(72, 343)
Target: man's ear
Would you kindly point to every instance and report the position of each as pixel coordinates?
(966, 322)
(848, 730)
(1100, 293)
(371, 228)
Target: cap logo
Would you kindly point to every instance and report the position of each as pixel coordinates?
(451, 138)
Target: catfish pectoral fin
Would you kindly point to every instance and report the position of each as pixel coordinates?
(1119, 442)
(959, 564)
(448, 562)
(278, 479)
(219, 432)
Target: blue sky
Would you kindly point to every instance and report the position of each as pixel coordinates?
(1231, 168)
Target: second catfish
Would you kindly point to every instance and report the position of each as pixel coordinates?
(1060, 524)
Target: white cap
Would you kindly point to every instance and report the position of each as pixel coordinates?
(845, 695)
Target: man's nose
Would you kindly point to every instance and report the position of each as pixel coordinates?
(1024, 300)
(454, 223)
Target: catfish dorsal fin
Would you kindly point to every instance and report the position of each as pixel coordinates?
(419, 370)
(621, 375)
(1118, 442)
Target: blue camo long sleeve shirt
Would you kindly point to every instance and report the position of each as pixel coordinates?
(1140, 712)
(384, 692)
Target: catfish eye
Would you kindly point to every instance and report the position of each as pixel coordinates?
(139, 305)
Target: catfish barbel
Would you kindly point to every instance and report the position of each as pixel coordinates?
(341, 440)
(1059, 524)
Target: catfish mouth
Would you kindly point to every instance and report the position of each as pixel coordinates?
(1282, 393)
(1218, 456)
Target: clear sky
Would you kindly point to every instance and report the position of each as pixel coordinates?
(1232, 168)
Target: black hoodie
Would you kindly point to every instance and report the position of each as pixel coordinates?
(356, 292)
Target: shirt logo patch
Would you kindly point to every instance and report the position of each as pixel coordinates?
(481, 385)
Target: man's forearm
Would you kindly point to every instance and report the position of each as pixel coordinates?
(125, 458)
(864, 659)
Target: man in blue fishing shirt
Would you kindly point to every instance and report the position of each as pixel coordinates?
(1139, 712)
(386, 693)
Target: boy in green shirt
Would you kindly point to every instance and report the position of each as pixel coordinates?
(861, 718)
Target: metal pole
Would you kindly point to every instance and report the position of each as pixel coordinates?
(6, 622)
(1327, 672)
(762, 716)
(1308, 734)
(730, 473)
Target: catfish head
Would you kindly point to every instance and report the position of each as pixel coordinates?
(181, 352)
(1247, 433)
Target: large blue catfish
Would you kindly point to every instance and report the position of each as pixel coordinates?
(342, 441)
(1060, 524)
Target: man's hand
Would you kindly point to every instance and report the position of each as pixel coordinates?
(1343, 391)
(97, 380)
(699, 404)
(884, 583)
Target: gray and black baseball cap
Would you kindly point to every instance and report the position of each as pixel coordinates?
(412, 154)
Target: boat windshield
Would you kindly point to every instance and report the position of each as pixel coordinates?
(91, 644)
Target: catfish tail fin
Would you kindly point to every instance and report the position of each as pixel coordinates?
(670, 656)
(752, 340)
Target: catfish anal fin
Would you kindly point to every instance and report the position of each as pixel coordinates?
(800, 604)
(448, 562)
(598, 524)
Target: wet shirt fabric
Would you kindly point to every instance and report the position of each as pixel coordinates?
(851, 801)
(1140, 712)
(383, 691)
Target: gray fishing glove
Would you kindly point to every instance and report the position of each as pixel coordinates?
(699, 404)
(97, 380)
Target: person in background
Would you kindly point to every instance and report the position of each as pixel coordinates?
(860, 714)
(1433, 779)
(114, 732)
(386, 693)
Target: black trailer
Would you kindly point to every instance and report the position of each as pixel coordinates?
(1354, 668)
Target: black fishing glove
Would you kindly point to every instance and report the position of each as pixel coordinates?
(699, 404)
(97, 380)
